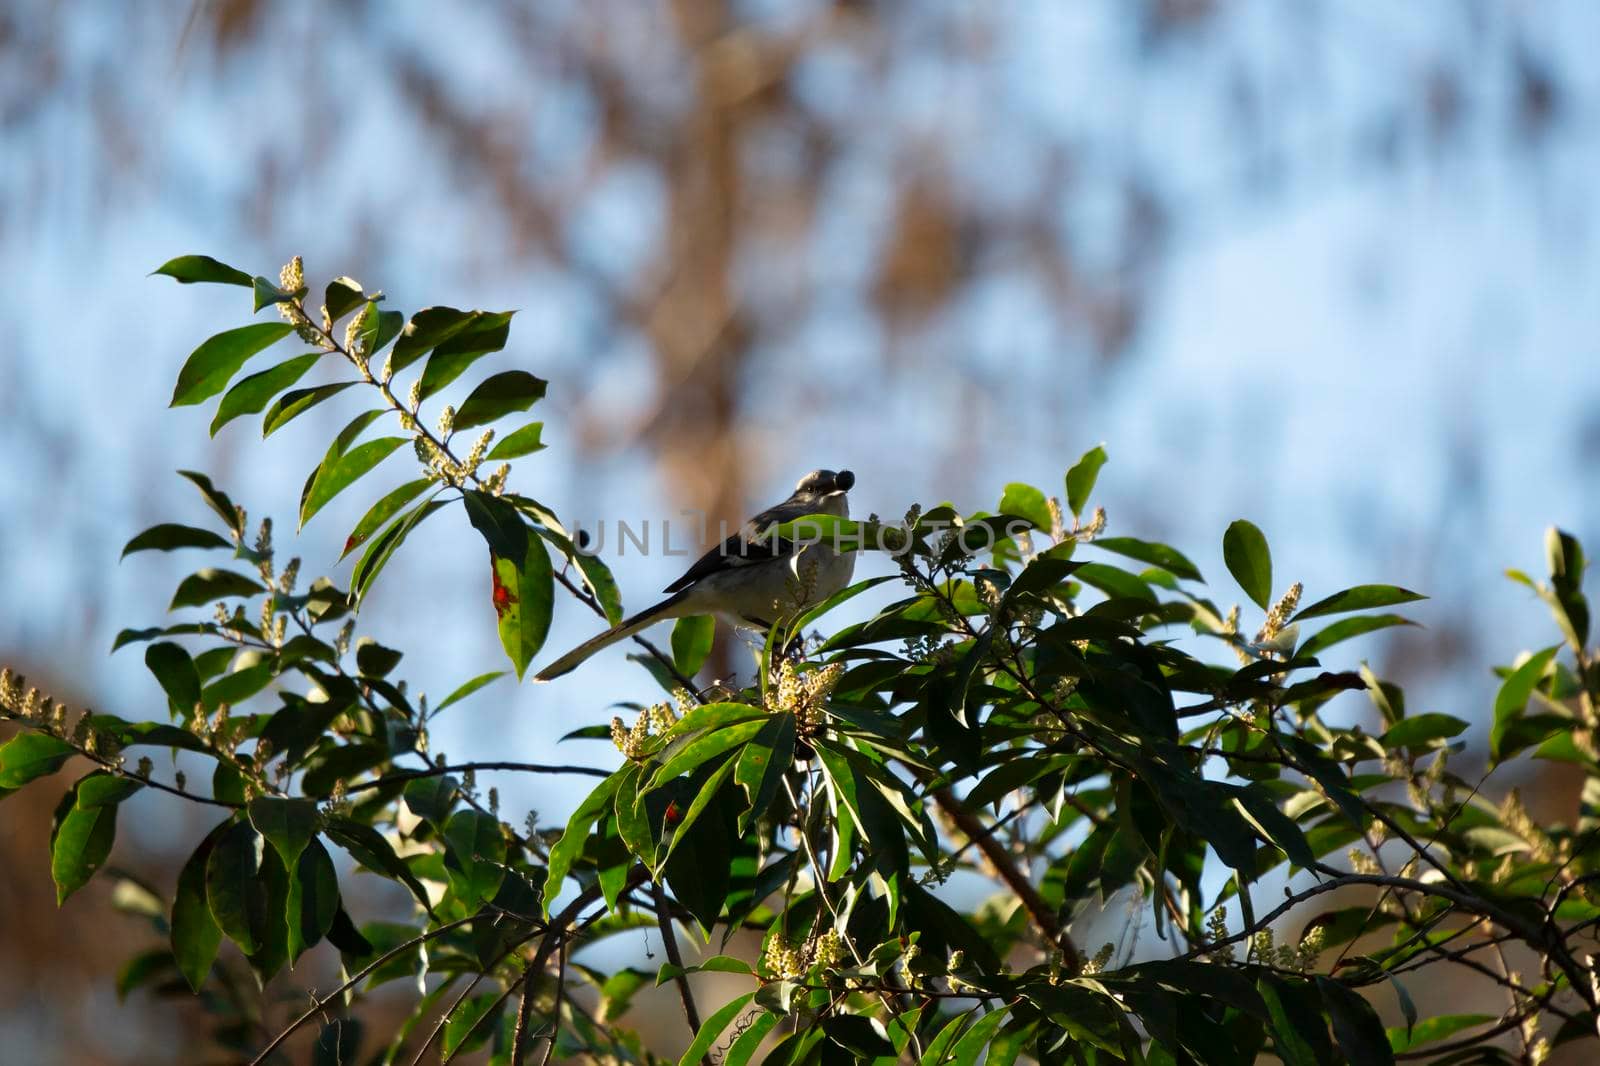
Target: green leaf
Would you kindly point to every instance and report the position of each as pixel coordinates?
(524, 441)
(467, 688)
(176, 673)
(472, 1023)
(188, 269)
(289, 824)
(691, 642)
(101, 789)
(83, 839)
(266, 293)
(330, 480)
(375, 660)
(1349, 627)
(431, 797)
(499, 395)
(1360, 598)
(238, 686)
(169, 536)
(1298, 1032)
(30, 756)
(1082, 476)
(201, 588)
(1430, 1029)
(567, 849)
(1244, 549)
(142, 969)
(313, 899)
(216, 499)
(382, 511)
(1355, 1024)
(381, 550)
(253, 393)
(712, 1029)
(486, 333)
(702, 749)
(1169, 559)
(475, 856)
(1513, 697)
(195, 935)
(762, 765)
(1419, 730)
(234, 887)
(429, 327)
(1027, 502)
(208, 370)
(368, 847)
(292, 405)
(1275, 827)
(522, 581)
(342, 296)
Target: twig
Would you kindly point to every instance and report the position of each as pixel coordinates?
(669, 940)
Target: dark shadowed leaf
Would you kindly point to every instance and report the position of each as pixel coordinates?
(216, 499)
(205, 586)
(383, 547)
(1355, 1024)
(499, 395)
(235, 889)
(342, 296)
(288, 824)
(486, 333)
(313, 898)
(368, 847)
(195, 934)
(293, 404)
(1360, 598)
(209, 369)
(475, 856)
(169, 536)
(188, 269)
(428, 327)
(176, 673)
(1244, 549)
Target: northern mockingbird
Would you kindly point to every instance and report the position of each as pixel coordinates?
(746, 580)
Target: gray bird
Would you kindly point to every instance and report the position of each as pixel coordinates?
(745, 580)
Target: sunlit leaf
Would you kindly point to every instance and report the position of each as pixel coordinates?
(208, 370)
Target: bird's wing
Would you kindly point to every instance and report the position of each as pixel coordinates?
(743, 548)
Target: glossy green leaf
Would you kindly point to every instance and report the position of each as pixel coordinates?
(712, 1029)
(254, 392)
(383, 547)
(380, 513)
(467, 688)
(195, 935)
(1513, 697)
(1348, 628)
(702, 749)
(432, 797)
(567, 849)
(1420, 729)
(1360, 598)
(475, 856)
(330, 480)
(692, 638)
(30, 756)
(81, 842)
(1026, 501)
(1082, 476)
(169, 537)
(486, 333)
(292, 405)
(238, 686)
(1244, 550)
(189, 269)
(499, 395)
(288, 824)
(210, 584)
(1432, 1029)
(214, 363)
(762, 764)
(522, 581)
(524, 441)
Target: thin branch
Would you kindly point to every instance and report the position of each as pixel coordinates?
(318, 1006)
(669, 940)
(439, 771)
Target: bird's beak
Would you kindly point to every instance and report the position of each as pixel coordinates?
(844, 481)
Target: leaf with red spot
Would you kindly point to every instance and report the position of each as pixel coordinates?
(522, 581)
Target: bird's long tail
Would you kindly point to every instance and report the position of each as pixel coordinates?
(667, 608)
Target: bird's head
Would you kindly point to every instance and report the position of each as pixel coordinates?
(819, 485)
